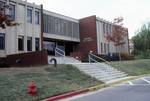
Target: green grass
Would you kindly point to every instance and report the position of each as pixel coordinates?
(133, 67)
(49, 82)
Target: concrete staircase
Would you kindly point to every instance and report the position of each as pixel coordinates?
(62, 60)
(101, 71)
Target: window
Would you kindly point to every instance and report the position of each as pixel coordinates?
(2, 41)
(29, 16)
(110, 30)
(36, 44)
(2, 6)
(103, 28)
(108, 47)
(12, 12)
(20, 43)
(36, 17)
(105, 47)
(29, 44)
(101, 47)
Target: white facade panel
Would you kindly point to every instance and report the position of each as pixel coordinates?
(101, 40)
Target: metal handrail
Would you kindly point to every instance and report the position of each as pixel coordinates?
(56, 48)
(98, 58)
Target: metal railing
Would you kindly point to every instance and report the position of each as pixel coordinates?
(56, 52)
(90, 54)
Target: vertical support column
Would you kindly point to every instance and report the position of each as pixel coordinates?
(41, 27)
(16, 16)
(33, 26)
(6, 32)
(25, 36)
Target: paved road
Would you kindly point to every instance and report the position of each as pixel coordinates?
(134, 90)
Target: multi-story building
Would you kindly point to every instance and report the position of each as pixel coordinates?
(41, 29)
(92, 32)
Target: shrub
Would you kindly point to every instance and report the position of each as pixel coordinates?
(3, 64)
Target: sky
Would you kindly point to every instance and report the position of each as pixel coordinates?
(134, 12)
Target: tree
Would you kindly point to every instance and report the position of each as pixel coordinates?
(118, 34)
(142, 41)
(4, 18)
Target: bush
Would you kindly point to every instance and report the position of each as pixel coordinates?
(3, 64)
(124, 56)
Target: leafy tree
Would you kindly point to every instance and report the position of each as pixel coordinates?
(118, 34)
(4, 18)
(142, 41)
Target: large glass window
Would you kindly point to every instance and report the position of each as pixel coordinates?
(29, 44)
(12, 11)
(2, 41)
(20, 43)
(37, 44)
(29, 16)
(36, 17)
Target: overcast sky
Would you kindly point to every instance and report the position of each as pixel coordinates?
(134, 12)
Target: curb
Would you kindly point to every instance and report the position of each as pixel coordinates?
(92, 88)
(66, 95)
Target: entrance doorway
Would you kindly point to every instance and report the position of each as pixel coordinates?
(50, 47)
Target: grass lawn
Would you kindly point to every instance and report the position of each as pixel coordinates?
(133, 67)
(49, 82)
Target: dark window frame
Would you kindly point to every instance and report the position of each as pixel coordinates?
(12, 12)
(2, 42)
(103, 28)
(29, 43)
(3, 4)
(37, 44)
(101, 47)
(37, 15)
(29, 14)
(21, 46)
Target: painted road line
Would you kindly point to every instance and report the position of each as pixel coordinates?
(130, 83)
(145, 80)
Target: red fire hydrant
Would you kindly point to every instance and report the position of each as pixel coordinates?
(32, 90)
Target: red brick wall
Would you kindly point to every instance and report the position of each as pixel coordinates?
(87, 28)
(77, 54)
(28, 59)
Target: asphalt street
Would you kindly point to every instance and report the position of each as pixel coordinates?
(134, 90)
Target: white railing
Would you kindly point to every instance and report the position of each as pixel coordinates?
(56, 52)
(90, 54)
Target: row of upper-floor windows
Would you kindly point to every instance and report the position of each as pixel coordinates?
(54, 25)
(21, 43)
(29, 14)
(107, 29)
(105, 48)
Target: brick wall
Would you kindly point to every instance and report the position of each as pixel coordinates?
(28, 59)
(88, 36)
(77, 54)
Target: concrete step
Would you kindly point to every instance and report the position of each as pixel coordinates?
(100, 71)
(112, 77)
(106, 74)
